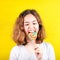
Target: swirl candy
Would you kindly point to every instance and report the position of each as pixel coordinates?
(32, 36)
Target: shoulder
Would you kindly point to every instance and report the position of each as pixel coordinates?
(48, 45)
(49, 50)
(17, 48)
(15, 51)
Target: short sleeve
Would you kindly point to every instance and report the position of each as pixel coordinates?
(14, 53)
(51, 53)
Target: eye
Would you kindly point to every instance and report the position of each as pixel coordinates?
(34, 23)
(26, 24)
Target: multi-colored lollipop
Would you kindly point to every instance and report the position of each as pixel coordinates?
(32, 35)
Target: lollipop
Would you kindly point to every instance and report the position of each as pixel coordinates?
(32, 35)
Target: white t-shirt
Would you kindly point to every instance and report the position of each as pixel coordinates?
(20, 52)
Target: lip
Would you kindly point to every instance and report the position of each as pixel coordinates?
(31, 31)
(34, 33)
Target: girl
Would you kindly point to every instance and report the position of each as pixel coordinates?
(29, 34)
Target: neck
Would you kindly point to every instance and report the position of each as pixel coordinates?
(31, 42)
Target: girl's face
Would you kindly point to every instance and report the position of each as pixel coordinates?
(30, 24)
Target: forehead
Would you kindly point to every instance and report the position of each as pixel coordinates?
(29, 18)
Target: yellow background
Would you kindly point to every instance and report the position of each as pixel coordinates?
(49, 11)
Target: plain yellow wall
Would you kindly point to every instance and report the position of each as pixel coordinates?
(49, 11)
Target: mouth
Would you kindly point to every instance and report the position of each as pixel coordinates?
(32, 35)
(31, 32)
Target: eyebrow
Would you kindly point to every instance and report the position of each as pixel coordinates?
(34, 20)
(28, 22)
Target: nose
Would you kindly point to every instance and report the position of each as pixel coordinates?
(31, 27)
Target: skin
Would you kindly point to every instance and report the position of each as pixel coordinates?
(31, 25)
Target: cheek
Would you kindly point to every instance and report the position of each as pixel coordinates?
(26, 29)
(37, 28)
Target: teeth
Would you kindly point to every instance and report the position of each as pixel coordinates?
(31, 31)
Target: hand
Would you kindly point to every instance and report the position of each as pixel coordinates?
(38, 53)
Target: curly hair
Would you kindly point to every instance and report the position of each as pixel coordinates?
(19, 35)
